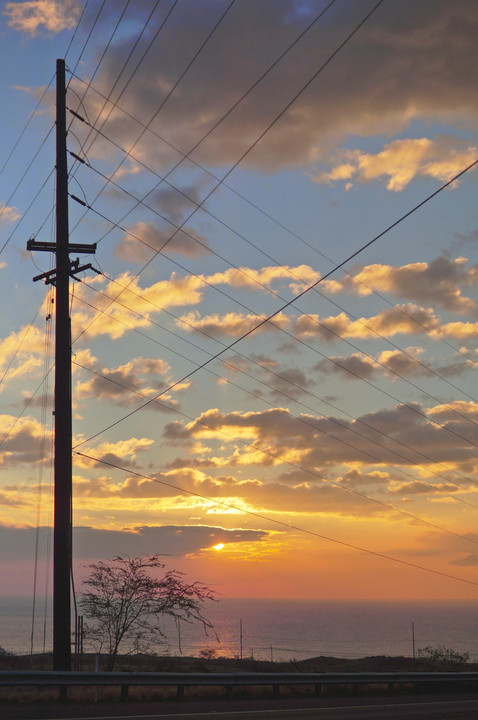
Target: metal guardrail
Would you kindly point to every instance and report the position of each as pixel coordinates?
(125, 680)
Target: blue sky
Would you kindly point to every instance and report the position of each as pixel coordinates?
(332, 452)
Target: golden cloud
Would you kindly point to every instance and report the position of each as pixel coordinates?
(437, 282)
(52, 15)
(401, 161)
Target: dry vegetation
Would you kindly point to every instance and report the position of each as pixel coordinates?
(152, 663)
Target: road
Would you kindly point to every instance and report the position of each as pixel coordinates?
(456, 707)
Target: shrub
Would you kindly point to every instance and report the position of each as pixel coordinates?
(443, 657)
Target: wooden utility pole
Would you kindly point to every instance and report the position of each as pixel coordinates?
(62, 546)
(62, 533)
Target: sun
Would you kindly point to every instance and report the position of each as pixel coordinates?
(219, 546)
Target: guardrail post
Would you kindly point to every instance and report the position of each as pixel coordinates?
(275, 690)
(124, 693)
(318, 689)
(180, 692)
(228, 689)
(97, 668)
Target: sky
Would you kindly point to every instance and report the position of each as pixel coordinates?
(273, 356)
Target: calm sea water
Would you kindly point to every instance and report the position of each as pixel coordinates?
(285, 629)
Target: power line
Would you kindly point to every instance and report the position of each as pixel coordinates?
(242, 97)
(281, 523)
(22, 133)
(287, 269)
(295, 465)
(269, 216)
(138, 38)
(26, 211)
(283, 307)
(292, 337)
(239, 100)
(12, 195)
(334, 421)
(77, 27)
(88, 38)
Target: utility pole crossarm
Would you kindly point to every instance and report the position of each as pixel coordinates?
(33, 245)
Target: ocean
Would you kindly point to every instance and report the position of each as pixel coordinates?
(287, 629)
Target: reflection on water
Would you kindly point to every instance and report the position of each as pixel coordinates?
(285, 629)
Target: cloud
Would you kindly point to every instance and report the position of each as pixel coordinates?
(418, 487)
(114, 453)
(177, 204)
(8, 214)
(400, 67)
(230, 325)
(350, 367)
(402, 319)
(298, 277)
(33, 15)
(134, 305)
(460, 330)
(407, 364)
(291, 382)
(470, 560)
(449, 411)
(403, 436)
(404, 363)
(22, 441)
(154, 238)
(92, 543)
(400, 162)
(188, 488)
(122, 384)
(8, 499)
(22, 352)
(434, 283)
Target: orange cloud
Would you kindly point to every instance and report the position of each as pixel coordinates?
(26, 348)
(403, 319)
(22, 441)
(135, 305)
(436, 283)
(53, 15)
(230, 325)
(8, 214)
(400, 161)
(119, 452)
(298, 277)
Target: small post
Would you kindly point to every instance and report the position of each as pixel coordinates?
(240, 634)
(97, 667)
(413, 639)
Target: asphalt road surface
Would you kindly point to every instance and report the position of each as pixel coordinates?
(456, 707)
